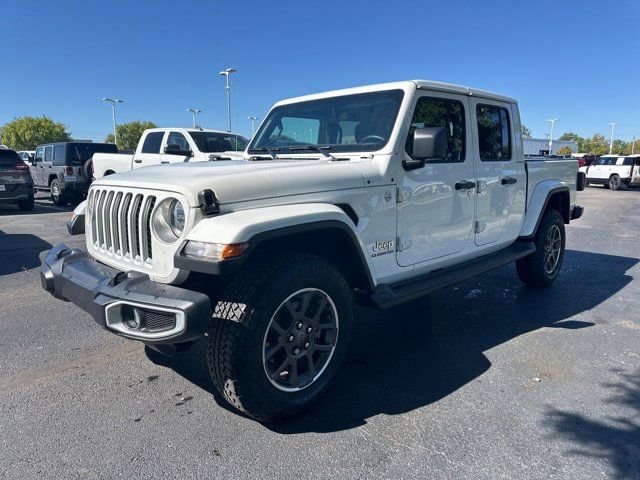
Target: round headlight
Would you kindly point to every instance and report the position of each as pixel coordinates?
(169, 220)
(177, 218)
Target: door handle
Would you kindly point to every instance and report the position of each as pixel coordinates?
(165, 161)
(509, 181)
(465, 185)
(137, 160)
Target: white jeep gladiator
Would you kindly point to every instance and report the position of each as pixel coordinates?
(172, 145)
(378, 194)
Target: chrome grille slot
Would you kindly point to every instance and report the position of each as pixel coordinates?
(121, 223)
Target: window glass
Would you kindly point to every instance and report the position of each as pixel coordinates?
(346, 123)
(494, 137)
(39, 152)
(58, 155)
(438, 112)
(176, 138)
(627, 161)
(211, 142)
(153, 142)
(9, 157)
(47, 153)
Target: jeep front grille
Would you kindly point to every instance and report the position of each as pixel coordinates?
(121, 223)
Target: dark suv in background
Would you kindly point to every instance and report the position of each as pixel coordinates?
(60, 168)
(15, 180)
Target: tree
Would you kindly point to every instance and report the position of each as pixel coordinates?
(129, 134)
(109, 138)
(26, 133)
(571, 136)
(564, 151)
(525, 131)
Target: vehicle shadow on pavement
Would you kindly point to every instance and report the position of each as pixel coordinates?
(413, 355)
(20, 252)
(616, 439)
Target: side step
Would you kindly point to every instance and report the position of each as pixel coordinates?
(388, 295)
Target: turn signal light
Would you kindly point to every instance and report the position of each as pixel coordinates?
(214, 251)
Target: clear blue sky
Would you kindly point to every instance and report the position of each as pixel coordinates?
(578, 61)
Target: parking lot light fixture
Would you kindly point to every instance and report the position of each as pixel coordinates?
(194, 111)
(227, 73)
(113, 102)
(633, 144)
(613, 126)
(553, 121)
(253, 119)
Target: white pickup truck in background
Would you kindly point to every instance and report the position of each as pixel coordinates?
(172, 145)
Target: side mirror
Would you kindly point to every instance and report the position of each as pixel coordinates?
(174, 149)
(429, 144)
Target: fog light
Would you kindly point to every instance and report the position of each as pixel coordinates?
(132, 317)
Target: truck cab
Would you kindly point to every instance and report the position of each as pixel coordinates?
(377, 195)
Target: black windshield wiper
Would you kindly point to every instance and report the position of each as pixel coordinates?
(316, 148)
(266, 149)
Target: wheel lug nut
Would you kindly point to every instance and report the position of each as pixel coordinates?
(299, 325)
(290, 338)
(309, 329)
(296, 351)
(306, 345)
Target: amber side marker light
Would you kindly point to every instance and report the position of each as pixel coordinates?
(216, 251)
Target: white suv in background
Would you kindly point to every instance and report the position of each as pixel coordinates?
(614, 171)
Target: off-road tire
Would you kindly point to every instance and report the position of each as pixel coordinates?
(26, 205)
(241, 318)
(57, 199)
(531, 269)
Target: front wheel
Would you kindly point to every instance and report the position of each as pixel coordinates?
(614, 182)
(280, 334)
(541, 268)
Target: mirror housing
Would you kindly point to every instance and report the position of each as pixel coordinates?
(174, 149)
(429, 144)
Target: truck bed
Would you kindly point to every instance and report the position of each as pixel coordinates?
(111, 162)
(541, 169)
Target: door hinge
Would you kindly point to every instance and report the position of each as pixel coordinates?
(402, 194)
(403, 243)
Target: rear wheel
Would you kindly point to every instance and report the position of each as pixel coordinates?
(541, 268)
(26, 205)
(56, 193)
(614, 182)
(279, 335)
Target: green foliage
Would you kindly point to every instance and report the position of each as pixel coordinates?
(564, 151)
(25, 133)
(598, 144)
(571, 136)
(525, 131)
(109, 138)
(129, 134)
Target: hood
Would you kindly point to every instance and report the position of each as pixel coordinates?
(243, 181)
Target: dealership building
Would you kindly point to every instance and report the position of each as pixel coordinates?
(540, 146)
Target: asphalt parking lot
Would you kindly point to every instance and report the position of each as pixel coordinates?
(485, 380)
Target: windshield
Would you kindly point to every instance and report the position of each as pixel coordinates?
(81, 152)
(210, 142)
(349, 123)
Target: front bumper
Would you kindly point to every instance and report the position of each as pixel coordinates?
(109, 295)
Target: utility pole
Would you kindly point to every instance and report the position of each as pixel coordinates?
(113, 102)
(613, 126)
(553, 121)
(227, 73)
(253, 119)
(193, 112)
(633, 144)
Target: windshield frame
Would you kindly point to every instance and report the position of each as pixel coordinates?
(256, 145)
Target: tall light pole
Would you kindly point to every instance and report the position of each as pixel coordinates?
(113, 102)
(553, 121)
(613, 126)
(193, 112)
(227, 73)
(633, 144)
(253, 119)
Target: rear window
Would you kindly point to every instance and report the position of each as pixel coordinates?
(152, 142)
(9, 157)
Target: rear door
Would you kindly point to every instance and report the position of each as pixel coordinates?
(149, 154)
(500, 176)
(47, 165)
(436, 202)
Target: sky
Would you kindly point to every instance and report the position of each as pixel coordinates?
(576, 61)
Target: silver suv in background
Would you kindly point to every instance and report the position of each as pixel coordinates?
(60, 168)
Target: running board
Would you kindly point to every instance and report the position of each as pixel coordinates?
(388, 295)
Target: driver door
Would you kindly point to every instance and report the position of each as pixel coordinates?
(177, 142)
(436, 203)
